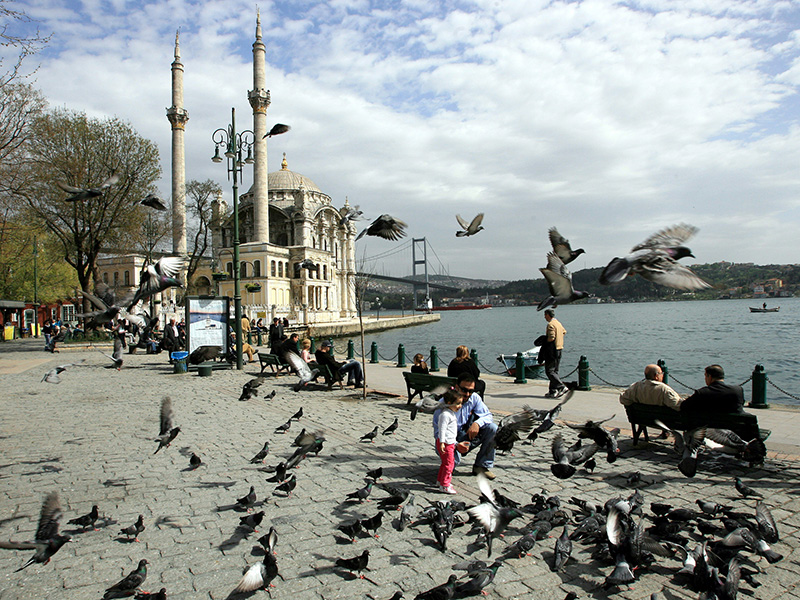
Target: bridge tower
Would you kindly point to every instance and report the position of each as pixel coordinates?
(420, 245)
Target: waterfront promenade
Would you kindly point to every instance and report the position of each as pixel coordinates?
(90, 439)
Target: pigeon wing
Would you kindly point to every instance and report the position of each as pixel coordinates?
(166, 415)
(110, 181)
(766, 524)
(462, 222)
(668, 237)
(476, 222)
(49, 518)
(560, 244)
(726, 437)
(664, 270)
(171, 266)
(96, 300)
(252, 580)
(299, 365)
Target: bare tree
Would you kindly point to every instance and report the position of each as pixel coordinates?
(26, 44)
(360, 283)
(199, 196)
(20, 104)
(68, 146)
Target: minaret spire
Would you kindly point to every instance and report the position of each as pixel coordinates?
(177, 117)
(259, 101)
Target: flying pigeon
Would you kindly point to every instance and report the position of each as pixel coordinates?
(656, 259)
(470, 228)
(158, 277)
(203, 354)
(565, 458)
(766, 523)
(86, 521)
(54, 375)
(135, 529)
(302, 369)
(116, 355)
(128, 585)
(562, 248)
(511, 426)
(386, 227)
(153, 202)
(490, 515)
(728, 442)
(261, 455)
(277, 129)
(79, 194)
(261, 574)
(108, 308)
(47, 540)
(350, 213)
(559, 280)
(167, 432)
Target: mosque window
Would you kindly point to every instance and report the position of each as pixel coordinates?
(286, 268)
(280, 269)
(256, 268)
(105, 278)
(243, 269)
(325, 272)
(272, 268)
(229, 268)
(116, 278)
(127, 277)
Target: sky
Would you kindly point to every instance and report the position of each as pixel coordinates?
(607, 119)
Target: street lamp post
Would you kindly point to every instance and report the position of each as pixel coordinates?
(35, 326)
(233, 144)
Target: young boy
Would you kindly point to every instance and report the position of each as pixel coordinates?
(446, 443)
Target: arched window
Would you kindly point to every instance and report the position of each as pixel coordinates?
(325, 272)
(116, 278)
(126, 277)
(242, 269)
(280, 269)
(256, 268)
(229, 268)
(272, 268)
(105, 278)
(286, 268)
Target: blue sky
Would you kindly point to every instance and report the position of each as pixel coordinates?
(609, 120)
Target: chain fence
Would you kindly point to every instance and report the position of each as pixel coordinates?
(679, 382)
(781, 390)
(593, 372)
(488, 370)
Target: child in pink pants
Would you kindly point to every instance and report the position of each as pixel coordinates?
(446, 444)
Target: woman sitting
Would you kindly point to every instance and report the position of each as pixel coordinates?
(419, 366)
(462, 363)
(305, 353)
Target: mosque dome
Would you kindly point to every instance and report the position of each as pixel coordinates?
(289, 180)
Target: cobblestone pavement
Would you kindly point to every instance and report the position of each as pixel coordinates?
(90, 439)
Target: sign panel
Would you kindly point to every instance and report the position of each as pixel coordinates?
(207, 322)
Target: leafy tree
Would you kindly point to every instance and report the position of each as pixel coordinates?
(83, 152)
(199, 198)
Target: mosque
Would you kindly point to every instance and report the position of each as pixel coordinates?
(285, 220)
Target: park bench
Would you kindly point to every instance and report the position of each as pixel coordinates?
(642, 416)
(325, 371)
(273, 361)
(417, 383)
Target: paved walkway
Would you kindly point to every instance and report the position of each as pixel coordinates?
(90, 439)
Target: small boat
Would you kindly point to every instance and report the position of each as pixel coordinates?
(758, 309)
(455, 307)
(530, 358)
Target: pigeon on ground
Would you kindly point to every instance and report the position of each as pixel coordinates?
(351, 529)
(397, 495)
(195, 461)
(287, 486)
(252, 521)
(478, 580)
(261, 455)
(79, 194)
(375, 474)
(373, 523)
(445, 591)
(127, 586)
(158, 277)
(280, 473)
(355, 564)
(562, 248)
(167, 432)
(284, 428)
(47, 540)
(392, 428)
(86, 521)
(159, 595)
(490, 515)
(116, 356)
(745, 490)
(370, 437)
(153, 202)
(298, 415)
(135, 529)
(559, 280)
(386, 227)
(261, 574)
(54, 375)
(562, 552)
(362, 493)
(470, 228)
(248, 500)
(711, 509)
(743, 537)
(350, 213)
(656, 259)
(277, 129)
(408, 513)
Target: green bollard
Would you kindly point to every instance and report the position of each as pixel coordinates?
(313, 345)
(434, 359)
(351, 351)
(249, 337)
(759, 388)
(520, 369)
(664, 370)
(583, 374)
(374, 353)
(258, 337)
(473, 354)
(401, 356)
(330, 341)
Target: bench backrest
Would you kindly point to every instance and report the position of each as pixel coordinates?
(426, 381)
(743, 424)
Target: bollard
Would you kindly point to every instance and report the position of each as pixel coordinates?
(374, 353)
(313, 345)
(664, 369)
(249, 337)
(583, 374)
(351, 351)
(259, 341)
(520, 369)
(473, 354)
(759, 388)
(434, 359)
(401, 356)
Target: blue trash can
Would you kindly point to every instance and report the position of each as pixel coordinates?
(180, 360)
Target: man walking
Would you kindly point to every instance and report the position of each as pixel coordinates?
(552, 348)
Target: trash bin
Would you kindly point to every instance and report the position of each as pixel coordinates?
(8, 332)
(180, 360)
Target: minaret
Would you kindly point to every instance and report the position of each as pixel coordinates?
(178, 116)
(259, 100)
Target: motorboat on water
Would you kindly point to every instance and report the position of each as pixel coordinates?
(530, 359)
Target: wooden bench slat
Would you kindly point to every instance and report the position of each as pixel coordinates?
(417, 383)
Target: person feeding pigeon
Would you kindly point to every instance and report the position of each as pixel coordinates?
(476, 427)
(446, 439)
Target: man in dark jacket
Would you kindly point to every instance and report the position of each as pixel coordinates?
(275, 336)
(717, 396)
(355, 374)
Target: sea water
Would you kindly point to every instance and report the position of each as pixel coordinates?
(620, 339)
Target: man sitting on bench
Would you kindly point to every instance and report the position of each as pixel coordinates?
(355, 374)
(716, 397)
(651, 390)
